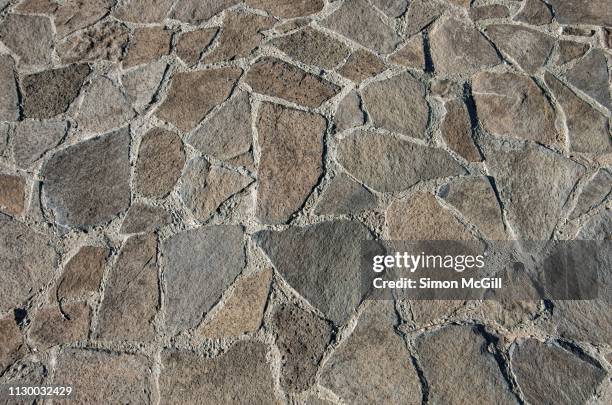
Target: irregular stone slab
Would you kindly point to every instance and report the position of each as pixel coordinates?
(599, 227)
(227, 133)
(390, 379)
(143, 11)
(241, 34)
(590, 12)
(241, 375)
(131, 295)
(313, 47)
(50, 327)
(105, 41)
(103, 377)
(12, 194)
(144, 218)
(422, 13)
(88, 184)
(344, 196)
(398, 105)
(199, 266)
(9, 102)
(392, 8)
(29, 36)
(12, 346)
(588, 129)
(458, 48)
(104, 107)
(147, 44)
(529, 48)
(141, 84)
(586, 321)
(489, 11)
(244, 309)
(349, 113)
(457, 130)
(358, 21)
(273, 77)
(535, 183)
(386, 163)
(288, 8)
(192, 44)
(326, 272)
(83, 273)
(590, 75)
(548, 374)
(193, 95)
(570, 50)
(49, 93)
(34, 6)
(594, 193)
(196, 11)
(513, 105)
(291, 162)
(411, 54)
(475, 198)
(27, 261)
(301, 338)
(160, 161)
(458, 347)
(205, 188)
(421, 217)
(535, 12)
(362, 65)
(72, 15)
(31, 139)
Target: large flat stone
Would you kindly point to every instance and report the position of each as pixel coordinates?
(411, 54)
(593, 12)
(529, 48)
(590, 74)
(83, 273)
(147, 44)
(291, 143)
(362, 65)
(142, 83)
(72, 15)
(534, 12)
(456, 129)
(313, 47)
(143, 11)
(9, 102)
(288, 8)
(88, 184)
(31, 139)
(387, 163)
(103, 107)
(349, 113)
(51, 327)
(12, 194)
(344, 196)
(104, 41)
(29, 36)
(196, 11)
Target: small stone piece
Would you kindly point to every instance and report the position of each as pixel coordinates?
(11, 342)
(88, 184)
(357, 20)
(349, 113)
(144, 218)
(193, 95)
(83, 273)
(421, 217)
(291, 163)
(50, 327)
(570, 50)
(489, 11)
(160, 161)
(104, 107)
(390, 378)
(197, 11)
(141, 84)
(72, 15)
(392, 8)
(205, 188)
(244, 309)
(344, 196)
(104, 377)
(241, 33)
(458, 48)
(288, 8)
(29, 36)
(12, 194)
(200, 265)
(548, 374)
(398, 105)
(273, 77)
(588, 129)
(143, 11)
(457, 130)
(9, 101)
(362, 65)
(104, 41)
(594, 193)
(514, 105)
(475, 198)
(31, 139)
(529, 48)
(147, 44)
(590, 75)
(131, 295)
(49, 93)
(590, 12)
(239, 376)
(192, 44)
(412, 54)
(313, 47)
(535, 12)
(227, 133)
(386, 163)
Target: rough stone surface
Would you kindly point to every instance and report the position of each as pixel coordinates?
(9, 102)
(141, 84)
(72, 15)
(489, 11)
(143, 11)
(529, 48)
(386, 163)
(534, 12)
(88, 184)
(31, 139)
(30, 37)
(104, 41)
(391, 379)
(103, 107)
(590, 75)
(12, 194)
(421, 13)
(34, 6)
(83, 273)
(52, 326)
(196, 11)
(411, 54)
(313, 47)
(362, 65)
(12, 345)
(595, 12)
(200, 265)
(594, 193)
(392, 8)
(349, 113)
(147, 44)
(291, 143)
(144, 218)
(192, 44)
(288, 8)
(344, 196)
(570, 50)
(457, 130)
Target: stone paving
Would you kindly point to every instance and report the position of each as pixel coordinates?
(184, 184)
